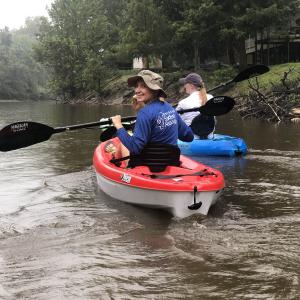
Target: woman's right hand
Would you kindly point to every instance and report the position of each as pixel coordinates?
(137, 105)
(116, 120)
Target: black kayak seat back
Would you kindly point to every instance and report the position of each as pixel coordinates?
(157, 157)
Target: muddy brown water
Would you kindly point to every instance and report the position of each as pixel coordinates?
(62, 238)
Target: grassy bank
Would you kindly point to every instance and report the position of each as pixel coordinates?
(270, 79)
(273, 96)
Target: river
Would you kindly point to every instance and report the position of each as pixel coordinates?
(62, 238)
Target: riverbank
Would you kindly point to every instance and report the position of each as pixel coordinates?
(116, 91)
(273, 96)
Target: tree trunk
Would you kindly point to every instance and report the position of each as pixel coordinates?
(241, 53)
(145, 61)
(261, 46)
(288, 49)
(268, 46)
(196, 56)
(73, 91)
(255, 53)
(231, 56)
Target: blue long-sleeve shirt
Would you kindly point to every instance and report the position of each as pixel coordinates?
(156, 122)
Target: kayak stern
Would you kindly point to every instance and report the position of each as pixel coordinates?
(189, 189)
(176, 203)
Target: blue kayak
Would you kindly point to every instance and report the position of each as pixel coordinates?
(220, 145)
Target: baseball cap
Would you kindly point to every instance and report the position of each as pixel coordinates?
(192, 78)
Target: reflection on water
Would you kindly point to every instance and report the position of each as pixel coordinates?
(62, 238)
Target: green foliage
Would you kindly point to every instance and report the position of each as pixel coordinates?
(85, 42)
(76, 45)
(272, 78)
(147, 30)
(224, 74)
(21, 77)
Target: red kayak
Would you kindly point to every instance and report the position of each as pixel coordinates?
(183, 191)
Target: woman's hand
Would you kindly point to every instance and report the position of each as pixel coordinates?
(116, 120)
(137, 105)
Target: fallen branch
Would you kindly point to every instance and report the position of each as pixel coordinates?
(275, 104)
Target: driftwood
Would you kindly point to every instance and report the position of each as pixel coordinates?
(281, 103)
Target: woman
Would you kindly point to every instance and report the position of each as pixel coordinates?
(202, 126)
(156, 123)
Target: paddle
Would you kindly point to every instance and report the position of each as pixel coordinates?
(111, 131)
(214, 107)
(23, 134)
(243, 75)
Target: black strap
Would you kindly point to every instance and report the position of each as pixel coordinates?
(156, 156)
(117, 160)
(200, 173)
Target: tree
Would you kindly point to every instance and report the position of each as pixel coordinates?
(21, 77)
(75, 44)
(147, 32)
(261, 18)
(199, 30)
(250, 17)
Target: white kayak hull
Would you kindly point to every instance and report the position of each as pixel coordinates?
(175, 202)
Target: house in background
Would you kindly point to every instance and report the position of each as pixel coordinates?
(275, 47)
(146, 63)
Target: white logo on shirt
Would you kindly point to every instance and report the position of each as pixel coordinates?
(166, 119)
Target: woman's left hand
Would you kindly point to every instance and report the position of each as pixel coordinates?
(137, 105)
(117, 121)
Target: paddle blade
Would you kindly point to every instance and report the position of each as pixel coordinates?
(251, 72)
(108, 134)
(217, 106)
(23, 134)
(111, 132)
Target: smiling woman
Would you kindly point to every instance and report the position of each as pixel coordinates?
(13, 13)
(156, 123)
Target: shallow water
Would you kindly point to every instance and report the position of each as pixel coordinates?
(62, 238)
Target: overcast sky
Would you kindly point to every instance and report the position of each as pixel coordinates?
(14, 12)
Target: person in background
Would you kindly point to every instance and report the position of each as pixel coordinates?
(202, 126)
(157, 123)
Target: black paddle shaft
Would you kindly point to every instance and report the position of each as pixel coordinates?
(91, 124)
(26, 133)
(243, 75)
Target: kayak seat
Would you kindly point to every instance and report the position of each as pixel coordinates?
(157, 157)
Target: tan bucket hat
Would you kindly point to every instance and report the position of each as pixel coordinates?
(153, 81)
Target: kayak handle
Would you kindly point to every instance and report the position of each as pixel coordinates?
(195, 205)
